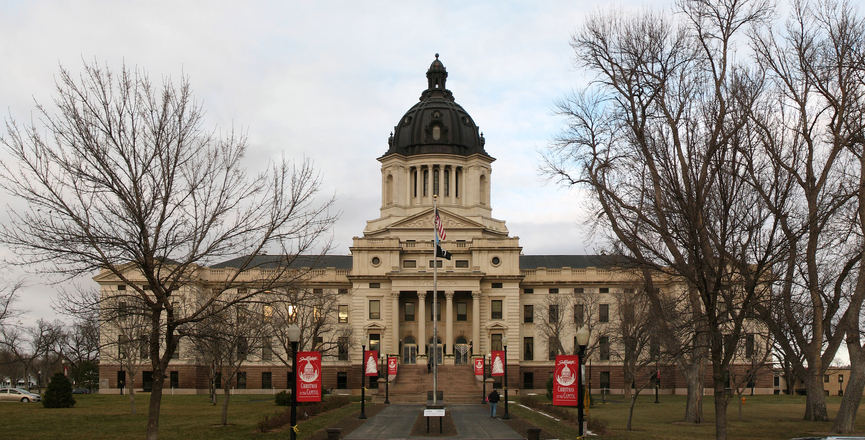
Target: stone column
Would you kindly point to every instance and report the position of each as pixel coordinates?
(395, 323)
(449, 322)
(476, 323)
(421, 323)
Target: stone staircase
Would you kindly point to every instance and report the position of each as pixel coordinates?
(412, 382)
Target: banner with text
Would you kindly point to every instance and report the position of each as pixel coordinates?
(392, 363)
(309, 376)
(497, 363)
(370, 362)
(479, 366)
(565, 380)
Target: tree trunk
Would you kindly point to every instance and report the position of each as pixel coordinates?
(845, 422)
(131, 391)
(155, 405)
(225, 398)
(720, 410)
(815, 401)
(694, 407)
(631, 409)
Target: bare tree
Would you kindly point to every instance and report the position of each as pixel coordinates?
(556, 325)
(30, 344)
(227, 340)
(127, 181)
(80, 347)
(657, 139)
(316, 312)
(806, 124)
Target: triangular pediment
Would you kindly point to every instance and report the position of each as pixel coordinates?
(424, 220)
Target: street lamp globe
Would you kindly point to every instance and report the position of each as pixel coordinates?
(583, 336)
(293, 333)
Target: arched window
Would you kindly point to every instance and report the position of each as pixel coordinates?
(425, 181)
(436, 182)
(447, 182)
(482, 190)
(388, 190)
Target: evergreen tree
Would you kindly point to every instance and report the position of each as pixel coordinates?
(59, 393)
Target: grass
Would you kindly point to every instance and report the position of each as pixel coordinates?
(96, 417)
(763, 417)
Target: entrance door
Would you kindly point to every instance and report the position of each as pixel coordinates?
(439, 349)
(461, 351)
(409, 351)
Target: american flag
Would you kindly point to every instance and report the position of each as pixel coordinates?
(440, 227)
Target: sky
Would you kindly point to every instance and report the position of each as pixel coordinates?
(327, 81)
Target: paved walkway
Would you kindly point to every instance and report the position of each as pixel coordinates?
(396, 421)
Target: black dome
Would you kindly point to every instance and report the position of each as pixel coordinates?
(436, 124)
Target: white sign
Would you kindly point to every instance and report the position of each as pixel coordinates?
(433, 413)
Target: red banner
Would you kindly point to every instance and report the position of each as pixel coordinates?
(497, 363)
(566, 380)
(479, 366)
(392, 363)
(370, 363)
(308, 382)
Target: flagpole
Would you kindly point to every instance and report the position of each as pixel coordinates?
(435, 302)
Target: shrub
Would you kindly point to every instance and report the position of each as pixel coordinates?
(58, 394)
(550, 388)
(304, 411)
(283, 398)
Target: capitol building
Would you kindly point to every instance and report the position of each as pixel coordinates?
(490, 292)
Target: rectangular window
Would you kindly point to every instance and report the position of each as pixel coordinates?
(462, 264)
(497, 285)
(342, 348)
(318, 291)
(554, 290)
(375, 341)
(749, 345)
(777, 381)
(604, 313)
(552, 348)
(579, 314)
(437, 262)
(409, 264)
(629, 291)
(122, 310)
(437, 311)
(528, 380)
(528, 349)
(266, 380)
(145, 347)
(528, 291)
(826, 378)
(241, 380)
(496, 309)
(604, 290)
(121, 287)
(604, 347)
(528, 313)
(374, 309)
(375, 285)
(342, 291)
(409, 311)
(319, 343)
(462, 311)
(266, 349)
(341, 380)
(579, 290)
(217, 381)
(605, 381)
(242, 348)
(122, 346)
(496, 342)
(554, 313)
(343, 313)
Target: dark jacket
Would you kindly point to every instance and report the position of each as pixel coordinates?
(494, 397)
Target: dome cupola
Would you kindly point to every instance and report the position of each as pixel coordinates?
(436, 124)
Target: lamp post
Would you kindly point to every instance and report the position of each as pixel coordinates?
(582, 341)
(294, 337)
(484, 376)
(362, 379)
(506, 416)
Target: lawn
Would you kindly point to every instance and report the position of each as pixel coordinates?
(192, 417)
(97, 417)
(763, 417)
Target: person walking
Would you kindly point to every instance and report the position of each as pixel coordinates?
(493, 398)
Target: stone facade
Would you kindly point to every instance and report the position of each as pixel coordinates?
(436, 159)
